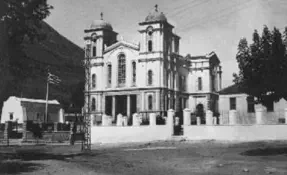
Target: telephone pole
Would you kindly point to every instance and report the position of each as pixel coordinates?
(87, 114)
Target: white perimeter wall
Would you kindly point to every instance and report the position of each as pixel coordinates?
(236, 133)
(117, 134)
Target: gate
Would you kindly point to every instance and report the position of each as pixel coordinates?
(177, 124)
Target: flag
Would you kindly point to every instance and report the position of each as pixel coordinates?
(53, 79)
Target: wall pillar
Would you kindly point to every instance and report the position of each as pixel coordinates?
(170, 115)
(152, 119)
(259, 114)
(186, 117)
(136, 121)
(232, 117)
(198, 121)
(55, 126)
(6, 131)
(114, 108)
(285, 115)
(24, 136)
(209, 117)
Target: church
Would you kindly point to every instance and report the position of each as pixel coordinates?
(151, 76)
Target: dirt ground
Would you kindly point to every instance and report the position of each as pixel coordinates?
(158, 158)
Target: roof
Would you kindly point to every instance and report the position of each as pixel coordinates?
(101, 24)
(122, 43)
(233, 89)
(156, 16)
(55, 102)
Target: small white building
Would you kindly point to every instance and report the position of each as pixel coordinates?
(233, 98)
(23, 109)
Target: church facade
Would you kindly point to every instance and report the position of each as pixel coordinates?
(149, 77)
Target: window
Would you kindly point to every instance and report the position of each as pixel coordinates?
(122, 70)
(134, 73)
(250, 104)
(183, 83)
(93, 104)
(199, 83)
(150, 46)
(150, 76)
(150, 102)
(270, 106)
(94, 80)
(11, 116)
(94, 51)
(232, 103)
(109, 75)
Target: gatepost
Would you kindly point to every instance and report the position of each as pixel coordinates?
(186, 117)
(170, 115)
(259, 114)
(209, 117)
(152, 119)
(233, 117)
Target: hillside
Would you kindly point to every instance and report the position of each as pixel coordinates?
(64, 59)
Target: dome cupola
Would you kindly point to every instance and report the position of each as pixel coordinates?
(101, 24)
(156, 16)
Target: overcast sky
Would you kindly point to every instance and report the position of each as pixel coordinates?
(204, 25)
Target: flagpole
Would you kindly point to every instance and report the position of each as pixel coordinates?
(47, 96)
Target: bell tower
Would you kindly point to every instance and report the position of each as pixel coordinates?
(99, 36)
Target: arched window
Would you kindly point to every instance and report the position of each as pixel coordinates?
(93, 104)
(199, 83)
(122, 70)
(150, 46)
(150, 76)
(109, 75)
(94, 78)
(150, 102)
(94, 51)
(134, 72)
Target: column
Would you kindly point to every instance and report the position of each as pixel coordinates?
(114, 108)
(104, 104)
(157, 101)
(142, 98)
(128, 106)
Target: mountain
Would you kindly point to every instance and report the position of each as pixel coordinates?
(63, 58)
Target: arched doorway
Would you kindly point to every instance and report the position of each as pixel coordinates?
(200, 112)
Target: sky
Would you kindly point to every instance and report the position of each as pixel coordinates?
(203, 25)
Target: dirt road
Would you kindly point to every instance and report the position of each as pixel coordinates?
(160, 158)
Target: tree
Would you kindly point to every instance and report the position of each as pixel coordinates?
(21, 22)
(263, 66)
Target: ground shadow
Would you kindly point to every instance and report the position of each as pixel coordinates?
(15, 167)
(266, 152)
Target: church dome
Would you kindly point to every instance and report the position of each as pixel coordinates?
(156, 16)
(101, 24)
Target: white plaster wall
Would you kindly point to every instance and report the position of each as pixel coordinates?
(236, 133)
(115, 134)
(249, 118)
(193, 81)
(112, 58)
(12, 105)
